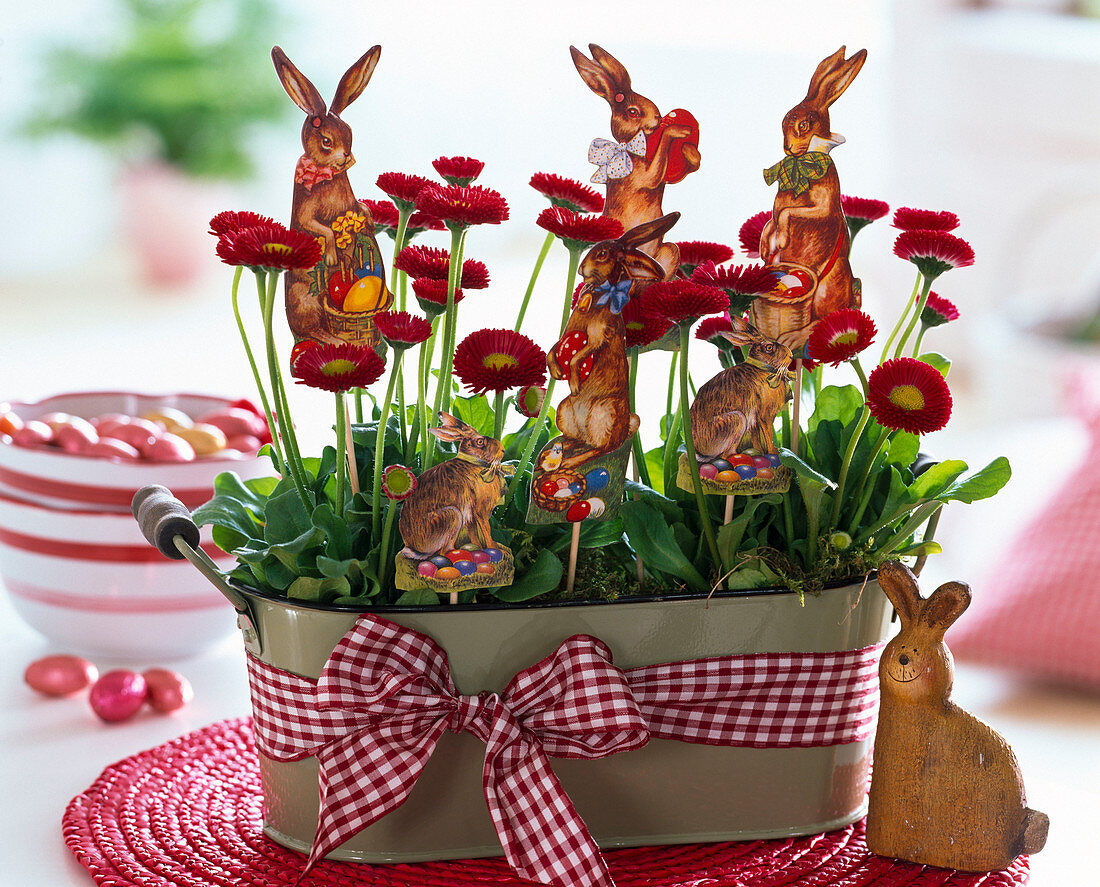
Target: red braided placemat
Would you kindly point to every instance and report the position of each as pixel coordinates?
(188, 814)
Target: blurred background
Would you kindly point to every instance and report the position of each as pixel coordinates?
(128, 123)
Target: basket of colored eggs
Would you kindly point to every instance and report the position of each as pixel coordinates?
(557, 490)
(468, 561)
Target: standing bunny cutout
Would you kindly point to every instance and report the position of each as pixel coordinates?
(733, 420)
(582, 472)
(648, 151)
(946, 789)
(451, 507)
(806, 240)
(334, 301)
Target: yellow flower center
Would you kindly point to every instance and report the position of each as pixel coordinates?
(498, 361)
(278, 249)
(341, 366)
(907, 397)
(399, 482)
(635, 326)
(848, 337)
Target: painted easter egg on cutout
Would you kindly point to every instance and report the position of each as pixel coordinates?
(578, 511)
(447, 573)
(708, 471)
(597, 479)
(426, 569)
(486, 569)
(597, 506)
(745, 472)
(677, 167)
(466, 567)
(440, 561)
(495, 555)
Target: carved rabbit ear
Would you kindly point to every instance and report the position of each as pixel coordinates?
(641, 266)
(946, 604)
(612, 65)
(450, 428)
(900, 585)
(297, 85)
(830, 86)
(648, 231)
(355, 79)
(743, 333)
(597, 78)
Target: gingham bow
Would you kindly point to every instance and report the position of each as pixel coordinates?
(613, 158)
(385, 697)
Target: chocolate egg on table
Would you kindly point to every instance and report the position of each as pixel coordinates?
(112, 448)
(117, 695)
(166, 690)
(745, 472)
(486, 569)
(60, 675)
(32, 434)
(426, 569)
(495, 555)
(205, 439)
(170, 447)
(597, 479)
(578, 511)
(597, 506)
(466, 567)
(440, 561)
(138, 433)
(480, 557)
(447, 573)
(75, 437)
(243, 443)
(707, 471)
(235, 420)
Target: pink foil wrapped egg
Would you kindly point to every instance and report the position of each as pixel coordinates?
(117, 695)
(167, 690)
(60, 675)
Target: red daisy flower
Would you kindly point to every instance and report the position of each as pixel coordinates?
(909, 395)
(402, 188)
(859, 212)
(741, 283)
(750, 232)
(230, 222)
(711, 328)
(419, 222)
(933, 252)
(431, 294)
(840, 336)
(694, 252)
(338, 367)
(578, 230)
(529, 400)
(642, 326)
(938, 311)
(684, 301)
(567, 193)
(434, 263)
(908, 219)
(497, 360)
(270, 246)
(398, 482)
(458, 170)
(460, 207)
(402, 329)
(384, 214)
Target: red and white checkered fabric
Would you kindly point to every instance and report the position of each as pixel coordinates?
(385, 697)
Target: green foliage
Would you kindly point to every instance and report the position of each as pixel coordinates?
(183, 83)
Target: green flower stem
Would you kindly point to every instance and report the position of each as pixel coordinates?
(529, 447)
(358, 406)
(403, 216)
(380, 445)
(574, 263)
(341, 452)
(426, 354)
(280, 462)
(384, 547)
(923, 513)
(858, 367)
(901, 319)
(669, 458)
(838, 494)
(929, 535)
(925, 290)
(671, 381)
(636, 443)
(446, 359)
(402, 410)
(278, 394)
(920, 338)
(865, 498)
(689, 447)
(534, 277)
(498, 415)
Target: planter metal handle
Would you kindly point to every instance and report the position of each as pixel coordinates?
(167, 524)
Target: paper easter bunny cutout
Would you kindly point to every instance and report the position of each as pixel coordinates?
(449, 545)
(806, 240)
(582, 473)
(334, 301)
(946, 789)
(648, 151)
(733, 420)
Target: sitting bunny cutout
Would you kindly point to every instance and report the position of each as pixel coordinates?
(946, 789)
(335, 300)
(806, 240)
(649, 151)
(595, 419)
(451, 506)
(733, 420)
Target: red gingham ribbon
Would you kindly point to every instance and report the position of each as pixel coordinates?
(385, 696)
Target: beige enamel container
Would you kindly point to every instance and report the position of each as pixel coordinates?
(666, 793)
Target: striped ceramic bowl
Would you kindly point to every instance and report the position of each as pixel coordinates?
(89, 582)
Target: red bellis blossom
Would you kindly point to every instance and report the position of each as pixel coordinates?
(433, 263)
(402, 329)
(458, 170)
(461, 207)
(866, 209)
(938, 311)
(909, 395)
(840, 336)
(684, 301)
(402, 188)
(577, 230)
(694, 252)
(270, 246)
(933, 252)
(499, 360)
(229, 222)
(338, 368)
(567, 193)
(749, 234)
(908, 219)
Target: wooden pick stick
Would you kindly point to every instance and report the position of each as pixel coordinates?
(797, 393)
(574, 547)
(454, 598)
(353, 468)
(729, 509)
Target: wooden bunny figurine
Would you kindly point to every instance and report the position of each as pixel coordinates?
(636, 173)
(807, 233)
(334, 301)
(595, 416)
(946, 789)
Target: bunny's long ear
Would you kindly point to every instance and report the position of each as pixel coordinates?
(355, 79)
(647, 231)
(597, 78)
(946, 604)
(900, 585)
(612, 65)
(450, 428)
(297, 85)
(839, 78)
(640, 266)
(743, 332)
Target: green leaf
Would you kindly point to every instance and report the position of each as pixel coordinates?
(237, 523)
(290, 553)
(938, 361)
(228, 483)
(544, 575)
(902, 449)
(285, 517)
(306, 588)
(804, 471)
(918, 549)
(337, 534)
(421, 597)
(476, 412)
(841, 404)
(653, 540)
(980, 485)
(732, 534)
(935, 480)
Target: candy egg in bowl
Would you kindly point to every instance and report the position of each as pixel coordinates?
(94, 450)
